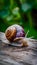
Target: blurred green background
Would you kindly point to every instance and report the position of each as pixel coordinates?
(22, 12)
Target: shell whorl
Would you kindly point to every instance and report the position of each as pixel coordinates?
(10, 33)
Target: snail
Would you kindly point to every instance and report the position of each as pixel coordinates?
(15, 33)
(16, 36)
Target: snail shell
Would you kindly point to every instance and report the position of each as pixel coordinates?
(10, 33)
(14, 31)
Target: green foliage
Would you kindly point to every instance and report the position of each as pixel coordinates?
(18, 12)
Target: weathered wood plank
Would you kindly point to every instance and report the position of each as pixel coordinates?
(10, 55)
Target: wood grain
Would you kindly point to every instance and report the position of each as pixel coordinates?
(10, 55)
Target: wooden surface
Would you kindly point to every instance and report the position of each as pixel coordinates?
(10, 55)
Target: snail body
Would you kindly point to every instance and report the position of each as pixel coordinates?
(18, 42)
(14, 31)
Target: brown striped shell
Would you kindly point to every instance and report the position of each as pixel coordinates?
(10, 33)
(14, 31)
